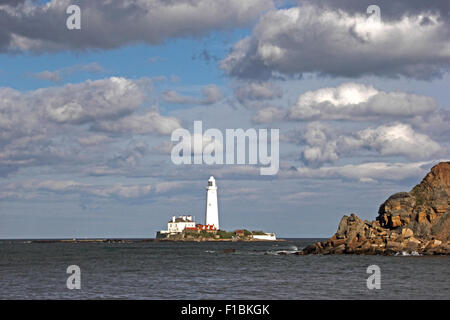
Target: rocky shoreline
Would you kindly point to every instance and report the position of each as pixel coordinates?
(415, 222)
(145, 240)
(217, 240)
(106, 240)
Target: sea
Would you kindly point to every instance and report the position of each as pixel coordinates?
(209, 270)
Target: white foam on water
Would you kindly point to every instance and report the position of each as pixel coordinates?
(407, 254)
(290, 250)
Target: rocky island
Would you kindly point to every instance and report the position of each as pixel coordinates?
(242, 235)
(415, 222)
(184, 228)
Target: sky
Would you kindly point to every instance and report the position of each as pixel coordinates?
(361, 102)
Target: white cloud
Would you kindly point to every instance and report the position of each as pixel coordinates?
(111, 24)
(323, 145)
(210, 95)
(324, 40)
(87, 102)
(397, 139)
(257, 91)
(93, 139)
(299, 196)
(53, 126)
(269, 114)
(52, 76)
(34, 188)
(353, 101)
(131, 156)
(149, 122)
(57, 76)
(91, 100)
(364, 172)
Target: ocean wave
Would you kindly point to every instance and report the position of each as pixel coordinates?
(289, 250)
(407, 254)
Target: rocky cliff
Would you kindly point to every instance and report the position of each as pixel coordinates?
(408, 222)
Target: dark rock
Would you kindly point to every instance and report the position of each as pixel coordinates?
(393, 245)
(350, 227)
(338, 249)
(418, 220)
(338, 242)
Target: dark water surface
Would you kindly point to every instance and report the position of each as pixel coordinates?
(151, 270)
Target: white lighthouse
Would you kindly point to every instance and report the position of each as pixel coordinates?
(212, 210)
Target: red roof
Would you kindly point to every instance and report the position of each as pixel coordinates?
(206, 227)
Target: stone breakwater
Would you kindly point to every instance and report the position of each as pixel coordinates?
(415, 222)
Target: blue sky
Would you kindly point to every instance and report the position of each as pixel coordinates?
(86, 115)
